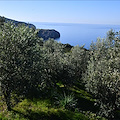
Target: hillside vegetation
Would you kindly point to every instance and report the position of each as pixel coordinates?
(40, 80)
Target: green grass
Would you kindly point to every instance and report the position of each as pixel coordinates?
(83, 94)
(44, 109)
(37, 109)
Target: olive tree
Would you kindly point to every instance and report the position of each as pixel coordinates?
(73, 65)
(103, 74)
(79, 58)
(19, 60)
(61, 66)
(52, 54)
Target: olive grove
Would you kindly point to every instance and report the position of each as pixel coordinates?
(102, 76)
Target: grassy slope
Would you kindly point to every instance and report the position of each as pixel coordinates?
(39, 110)
(43, 109)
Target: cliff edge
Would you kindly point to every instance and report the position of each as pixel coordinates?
(42, 33)
(46, 34)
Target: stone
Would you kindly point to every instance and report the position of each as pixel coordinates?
(47, 33)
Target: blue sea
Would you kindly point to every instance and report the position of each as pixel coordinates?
(78, 34)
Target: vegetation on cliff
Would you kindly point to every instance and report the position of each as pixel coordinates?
(41, 80)
(42, 33)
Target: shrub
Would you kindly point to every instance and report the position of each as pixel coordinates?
(66, 101)
(103, 75)
(19, 60)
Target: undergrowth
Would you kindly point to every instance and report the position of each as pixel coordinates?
(44, 109)
(37, 109)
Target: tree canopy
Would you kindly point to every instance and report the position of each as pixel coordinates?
(103, 74)
(31, 67)
(18, 58)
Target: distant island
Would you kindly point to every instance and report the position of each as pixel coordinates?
(42, 33)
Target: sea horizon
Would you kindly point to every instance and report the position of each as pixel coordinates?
(78, 34)
(73, 23)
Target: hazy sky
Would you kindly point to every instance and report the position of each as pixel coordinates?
(62, 11)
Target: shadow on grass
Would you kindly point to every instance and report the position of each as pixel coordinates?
(59, 115)
(85, 101)
(32, 109)
(20, 113)
(31, 115)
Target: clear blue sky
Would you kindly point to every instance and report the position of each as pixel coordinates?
(64, 11)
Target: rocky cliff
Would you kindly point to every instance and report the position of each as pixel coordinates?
(46, 34)
(42, 33)
(18, 22)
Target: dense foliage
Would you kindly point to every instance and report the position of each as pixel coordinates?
(19, 60)
(31, 67)
(103, 74)
(28, 64)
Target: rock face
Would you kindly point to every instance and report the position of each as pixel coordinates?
(46, 34)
